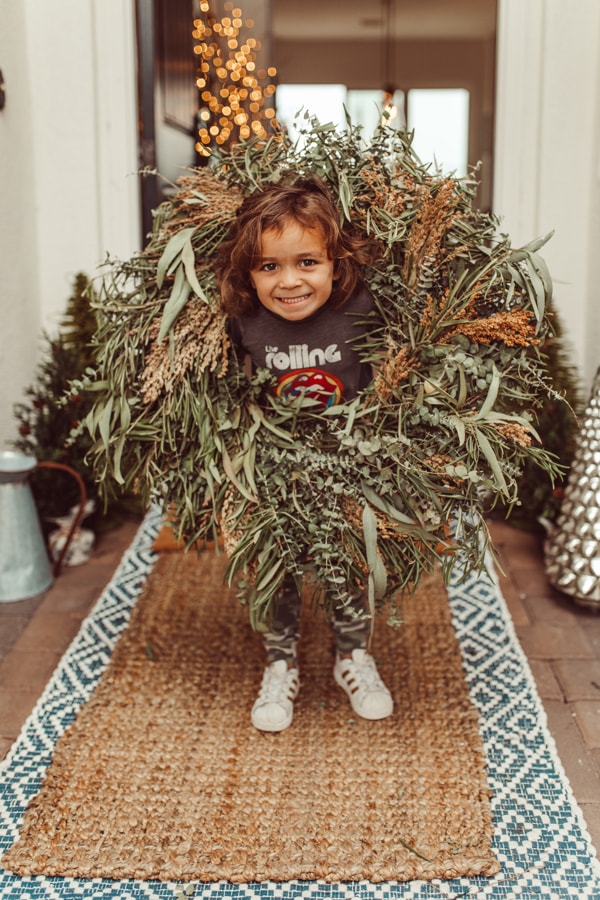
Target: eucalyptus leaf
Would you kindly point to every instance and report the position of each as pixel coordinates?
(177, 300)
(492, 394)
(492, 459)
(104, 422)
(171, 252)
(189, 262)
(459, 425)
(230, 472)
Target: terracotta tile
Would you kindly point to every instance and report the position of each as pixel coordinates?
(504, 566)
(576, 758)
(579, 678)
(49, 630)
(514, 601)
(20, 607)
(532, 581)
(546, 681)
(27, 671)
(590, 608)
(553, 608)
(587, 713)
(67, 599)
(504, 533)
(528, 574)
(15, 707)
(115, 541)
(544, 640)
(10, 631)
(520, 549)
(592, 629)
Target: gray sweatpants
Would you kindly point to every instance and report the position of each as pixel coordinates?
(350, 631)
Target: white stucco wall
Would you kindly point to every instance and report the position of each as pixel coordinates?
(19, 295)
(547, 154)
(68, 158)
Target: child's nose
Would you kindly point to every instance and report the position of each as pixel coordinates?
(289, 276)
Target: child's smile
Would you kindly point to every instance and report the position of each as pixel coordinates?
(294, 276)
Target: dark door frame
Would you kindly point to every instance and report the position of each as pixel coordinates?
(146, 78)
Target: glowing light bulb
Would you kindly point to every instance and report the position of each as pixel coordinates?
(233, 91)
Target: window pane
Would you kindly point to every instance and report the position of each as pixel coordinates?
(439, 117)
(325, 101)
(440, 120)
(365, 108)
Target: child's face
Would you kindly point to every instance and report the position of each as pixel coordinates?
(294, 277)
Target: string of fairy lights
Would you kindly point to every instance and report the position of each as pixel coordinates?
(235, 95)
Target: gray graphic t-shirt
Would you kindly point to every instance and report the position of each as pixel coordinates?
(313, 356)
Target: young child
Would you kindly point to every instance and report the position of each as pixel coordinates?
(290, 279)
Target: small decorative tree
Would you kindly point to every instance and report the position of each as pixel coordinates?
(48, 420)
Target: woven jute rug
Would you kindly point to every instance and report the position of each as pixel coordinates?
(162, 776)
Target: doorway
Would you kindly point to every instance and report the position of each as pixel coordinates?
(440, 62)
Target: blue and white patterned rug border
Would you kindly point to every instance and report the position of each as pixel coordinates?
(537, 704)
(540, 838)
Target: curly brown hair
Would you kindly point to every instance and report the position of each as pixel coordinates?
(308, 202)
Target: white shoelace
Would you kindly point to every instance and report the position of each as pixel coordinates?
(364, 673)
(278, 686)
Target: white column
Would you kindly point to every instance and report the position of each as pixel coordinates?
(117, 181)
(547, 151)
(19, 294)
(82, 71)
(68, 163)
(61, 71)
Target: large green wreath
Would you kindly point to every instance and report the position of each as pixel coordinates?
(373, 492)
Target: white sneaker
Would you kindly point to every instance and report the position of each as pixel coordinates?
(359, 677)
(274, 707)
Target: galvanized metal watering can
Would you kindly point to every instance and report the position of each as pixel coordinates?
(24, 563)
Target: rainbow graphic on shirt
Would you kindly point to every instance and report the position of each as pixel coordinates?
(314, 383)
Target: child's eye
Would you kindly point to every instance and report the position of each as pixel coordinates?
(268, 267)
(308, 262)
